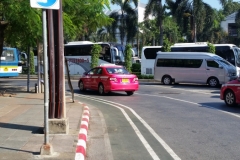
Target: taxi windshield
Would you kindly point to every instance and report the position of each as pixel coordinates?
(117, 70)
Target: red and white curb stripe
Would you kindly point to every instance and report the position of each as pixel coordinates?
(82, 136)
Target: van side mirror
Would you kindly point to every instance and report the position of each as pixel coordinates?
(84, 73)
(220, 66)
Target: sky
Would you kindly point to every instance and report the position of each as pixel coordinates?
(213, 3)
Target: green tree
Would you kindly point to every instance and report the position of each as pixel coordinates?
(82, 18)
(95, 52)
(193, 17)
(125, 21)
(211, 48)
(32, 67)
(128, 57)
(155, 8)
(166, 45)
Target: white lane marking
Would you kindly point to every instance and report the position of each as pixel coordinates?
(235, 115)
(159, 139)
(198, 91)
(138, 133)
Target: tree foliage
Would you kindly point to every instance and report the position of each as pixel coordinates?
(128, 57)
(95, 53)
(166, 45)
(125, 20)
(211, 48)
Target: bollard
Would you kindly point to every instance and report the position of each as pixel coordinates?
(36, 88)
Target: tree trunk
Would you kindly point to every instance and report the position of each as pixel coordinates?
(3, 25)
(160, 23)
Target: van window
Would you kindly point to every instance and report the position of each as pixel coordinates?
(212, 64)
(184, 63)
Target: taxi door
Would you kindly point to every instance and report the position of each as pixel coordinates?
(87, 79)
(237, 91)
(96, 78)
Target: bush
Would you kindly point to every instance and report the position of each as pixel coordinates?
(136, 67)
(145, 76)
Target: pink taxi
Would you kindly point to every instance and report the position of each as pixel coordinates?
(106, 78)
(230, 92)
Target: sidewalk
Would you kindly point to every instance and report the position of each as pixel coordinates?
(21, 128)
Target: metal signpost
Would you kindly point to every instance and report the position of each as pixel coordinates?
(45, 4)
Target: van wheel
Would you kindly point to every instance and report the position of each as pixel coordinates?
(229, 98)
(213, 82)
(167, 80)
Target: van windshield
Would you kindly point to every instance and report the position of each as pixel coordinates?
(224, 62)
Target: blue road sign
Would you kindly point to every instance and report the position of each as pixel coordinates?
(46, 4)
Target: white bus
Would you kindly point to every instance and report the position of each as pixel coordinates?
(78, 54)
(148, 57)
(194, 67)
(229, 52)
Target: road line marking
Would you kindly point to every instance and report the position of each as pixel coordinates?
(202, 91)
(138, 133)
(159, 139)
(235, 115)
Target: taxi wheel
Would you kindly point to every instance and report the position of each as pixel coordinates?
(81, 86)
(129, 93)
(101, 89)
(230, 98)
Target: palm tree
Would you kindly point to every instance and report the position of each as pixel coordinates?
(156, 9)
(192, 14)
(125, 20)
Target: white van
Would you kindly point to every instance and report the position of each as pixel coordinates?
(192, 67)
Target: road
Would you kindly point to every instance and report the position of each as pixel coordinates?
(168, 122)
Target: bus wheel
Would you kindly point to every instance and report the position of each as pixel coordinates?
(81, 86)
(101, 89)
(229, 98)
(213, 82)
(167, 80)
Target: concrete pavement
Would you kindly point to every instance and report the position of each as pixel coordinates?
(22, 122)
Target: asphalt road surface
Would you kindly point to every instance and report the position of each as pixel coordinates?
(182, 121)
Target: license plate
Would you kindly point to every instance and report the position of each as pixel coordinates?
(124, 80)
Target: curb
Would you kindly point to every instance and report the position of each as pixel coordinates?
(82, 136)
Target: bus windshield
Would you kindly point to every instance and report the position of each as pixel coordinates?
(9, 63)
(238, 57)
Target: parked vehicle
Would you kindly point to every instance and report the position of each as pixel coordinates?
(230, 92)
(107, 78)
(229, 52)
(194, 67)
(11, 62)
(148, 56)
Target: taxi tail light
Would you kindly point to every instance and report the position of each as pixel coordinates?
(135, 79)
(113, 79)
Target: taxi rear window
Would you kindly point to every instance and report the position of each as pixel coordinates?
(117, 70)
